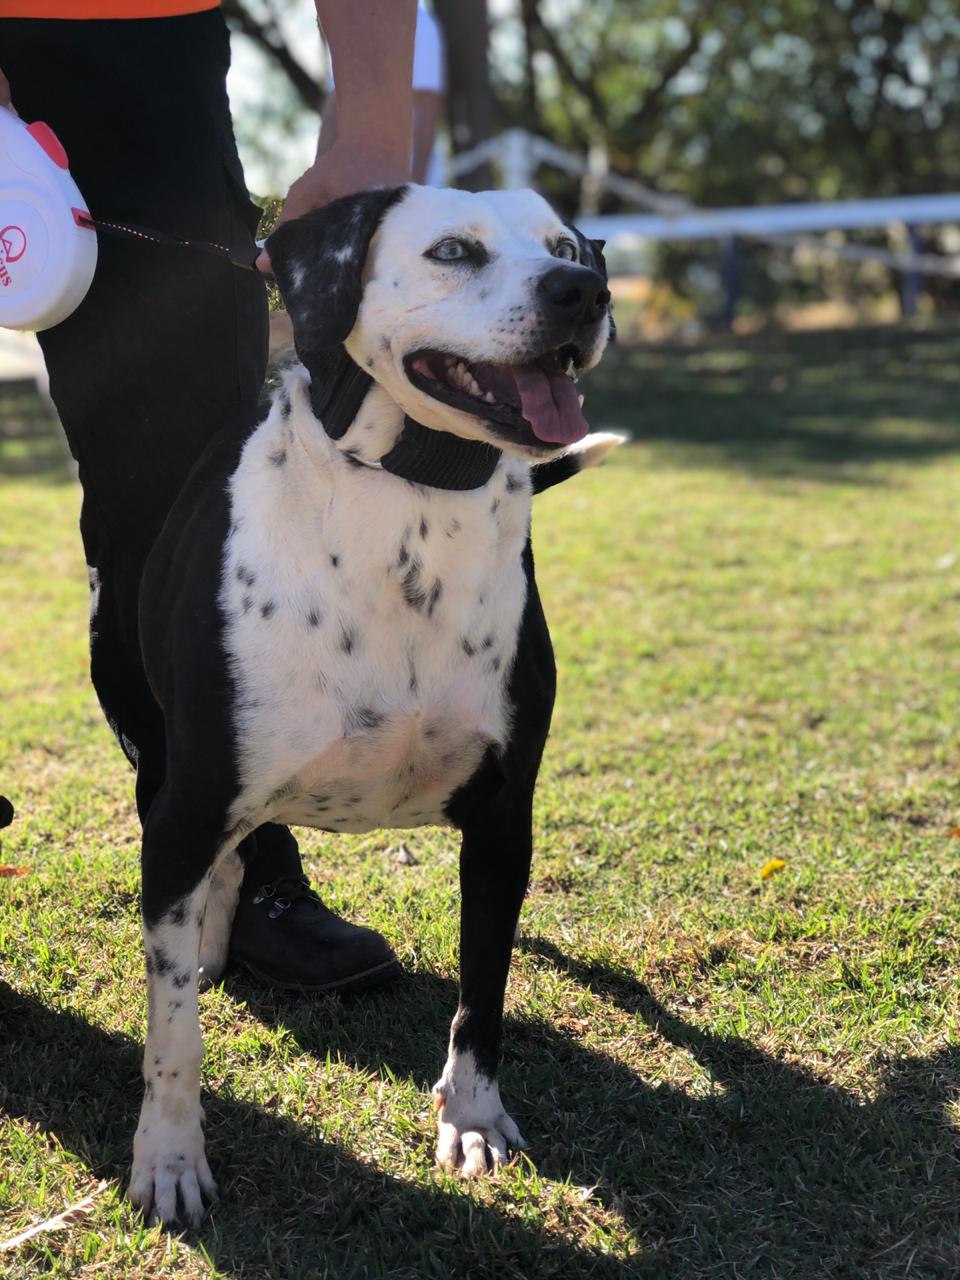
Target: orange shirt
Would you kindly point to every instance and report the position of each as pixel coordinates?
(102, 8)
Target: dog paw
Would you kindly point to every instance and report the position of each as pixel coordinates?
(170, 1175)
(474, 1131)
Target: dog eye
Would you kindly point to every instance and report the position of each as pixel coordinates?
(449, 251)
(565, 249)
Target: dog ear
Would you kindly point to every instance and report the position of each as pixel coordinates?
(591, 255)
(317, 261)
(591, 251)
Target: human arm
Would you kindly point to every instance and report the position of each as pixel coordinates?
(328, 123)
(371, 44)
(427, 110)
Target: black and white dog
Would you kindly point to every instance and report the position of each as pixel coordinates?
(340, 619)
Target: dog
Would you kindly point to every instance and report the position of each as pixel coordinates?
(340, 620)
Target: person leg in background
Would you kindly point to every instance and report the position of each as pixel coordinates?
(168, 347)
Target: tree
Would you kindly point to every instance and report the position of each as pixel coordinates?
(469, 100)
(719, 101)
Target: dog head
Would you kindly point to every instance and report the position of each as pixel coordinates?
(475, 312)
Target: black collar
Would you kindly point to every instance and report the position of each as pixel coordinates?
(421, 455)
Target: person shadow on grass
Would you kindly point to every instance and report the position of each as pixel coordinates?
(775, 1173)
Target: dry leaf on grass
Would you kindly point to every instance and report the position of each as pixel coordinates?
(74, 1214)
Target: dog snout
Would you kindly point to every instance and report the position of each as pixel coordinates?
(575, 294)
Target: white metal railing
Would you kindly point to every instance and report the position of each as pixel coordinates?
(518, 155)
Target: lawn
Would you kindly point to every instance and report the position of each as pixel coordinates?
(755, 608)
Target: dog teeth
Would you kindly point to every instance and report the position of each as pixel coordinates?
(459, 377)
(492, 399)
(580, 400)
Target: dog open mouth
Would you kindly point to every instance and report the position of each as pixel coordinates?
(540, 395)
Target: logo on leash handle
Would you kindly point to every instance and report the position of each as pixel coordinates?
(13, 245)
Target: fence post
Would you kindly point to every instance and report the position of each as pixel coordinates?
(517, 159)
(594, 180)
(731, 270)
(912, 281)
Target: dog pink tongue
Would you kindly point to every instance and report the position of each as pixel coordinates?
(549, 403)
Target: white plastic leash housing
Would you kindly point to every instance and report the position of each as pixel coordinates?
(47, 259)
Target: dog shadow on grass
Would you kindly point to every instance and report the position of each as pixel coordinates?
(294, 1205)
(769, 1169)
(772, 1172)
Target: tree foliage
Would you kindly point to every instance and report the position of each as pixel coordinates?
(721, 101)
(734, 102)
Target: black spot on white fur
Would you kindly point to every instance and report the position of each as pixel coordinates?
(362, 718)
(418, 594)
(278, 458)
(348, 639)
(268, 609)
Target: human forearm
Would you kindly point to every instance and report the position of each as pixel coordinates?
(371, 42)
(427, 110)
(371, 45)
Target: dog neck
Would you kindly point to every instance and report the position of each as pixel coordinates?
(421, 455)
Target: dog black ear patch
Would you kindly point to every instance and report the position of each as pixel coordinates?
(318, 260)
(591, 255)
(591, 251)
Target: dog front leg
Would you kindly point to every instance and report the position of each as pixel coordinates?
(474, 1129)
(170, 1172)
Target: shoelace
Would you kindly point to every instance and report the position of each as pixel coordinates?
(283, 893)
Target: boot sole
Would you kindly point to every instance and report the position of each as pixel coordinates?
(380, 975)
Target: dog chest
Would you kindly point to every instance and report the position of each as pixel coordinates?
(370, 627)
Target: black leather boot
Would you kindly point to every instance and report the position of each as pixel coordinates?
(285, 936)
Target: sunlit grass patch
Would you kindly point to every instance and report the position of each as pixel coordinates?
(754, 608)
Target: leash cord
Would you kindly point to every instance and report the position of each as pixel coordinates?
(244, 257)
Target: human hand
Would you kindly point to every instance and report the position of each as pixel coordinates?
(341, 170)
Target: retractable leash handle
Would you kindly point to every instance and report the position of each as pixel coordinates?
(47, 255)
(48, 239)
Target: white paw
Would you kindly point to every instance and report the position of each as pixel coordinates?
(170, 1172)
(474, 1133)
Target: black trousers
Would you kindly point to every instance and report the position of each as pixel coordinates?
(169, 345)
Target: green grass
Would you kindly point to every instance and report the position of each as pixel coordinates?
(755, 608)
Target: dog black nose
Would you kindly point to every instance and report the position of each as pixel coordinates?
(574, 293)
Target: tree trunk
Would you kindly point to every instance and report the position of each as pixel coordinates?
(469, 99)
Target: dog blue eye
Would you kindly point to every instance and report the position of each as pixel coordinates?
(567, 250)
(449, 251)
